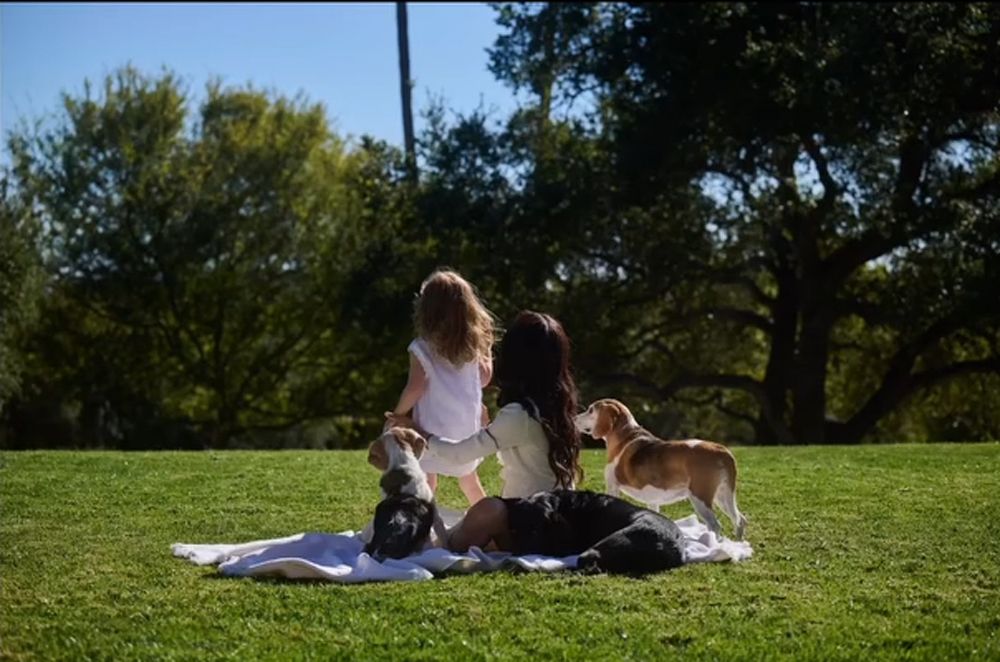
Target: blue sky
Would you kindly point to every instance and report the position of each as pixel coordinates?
(343, 55)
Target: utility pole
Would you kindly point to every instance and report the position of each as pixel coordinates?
(405, 86)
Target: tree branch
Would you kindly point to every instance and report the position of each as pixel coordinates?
(687, 380)
(744, 317)
(748, 284)
(714, 399)
(870, 312)
(928, 378)
(899, 383)
(830, 187)
(913, 155)
(732, 413)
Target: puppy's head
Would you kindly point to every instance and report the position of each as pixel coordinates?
(393, 442)
(410, 438)
(602, 418)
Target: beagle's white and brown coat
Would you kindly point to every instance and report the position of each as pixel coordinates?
(657, 472)
(407, 513)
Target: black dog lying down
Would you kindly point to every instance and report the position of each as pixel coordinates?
(609, 534)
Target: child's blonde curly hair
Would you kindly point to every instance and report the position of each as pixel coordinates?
(450, 317)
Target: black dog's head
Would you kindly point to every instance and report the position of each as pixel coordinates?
(402, 527)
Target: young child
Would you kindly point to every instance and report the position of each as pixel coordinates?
(450, 363)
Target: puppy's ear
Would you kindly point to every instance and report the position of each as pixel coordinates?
(419, 445)
(377, 455)
(605, 421)
(412, 439)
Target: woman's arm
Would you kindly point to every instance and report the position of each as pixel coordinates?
(506, 431)
(416, 384)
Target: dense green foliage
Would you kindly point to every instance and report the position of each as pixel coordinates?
(760, 223)
(21, 278)
(873, 552)
(202, 268)
(788, 211)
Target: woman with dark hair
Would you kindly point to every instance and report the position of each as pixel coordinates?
(533, 433)
(533, 374)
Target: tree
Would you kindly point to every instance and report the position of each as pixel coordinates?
(21, 281)
(208, 256)
(791, 188)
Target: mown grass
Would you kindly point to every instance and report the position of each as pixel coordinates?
(886, 552)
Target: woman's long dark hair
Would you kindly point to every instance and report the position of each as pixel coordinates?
(532, 369)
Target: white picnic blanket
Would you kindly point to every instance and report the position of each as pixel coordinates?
(340, 557)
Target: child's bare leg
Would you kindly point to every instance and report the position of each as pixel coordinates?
(471, 487)
(432, 480)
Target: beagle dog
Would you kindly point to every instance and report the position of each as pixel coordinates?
(657, 472)
(405, 516)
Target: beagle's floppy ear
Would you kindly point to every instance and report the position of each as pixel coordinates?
(605, 420)
(412, 439)
(377, 455)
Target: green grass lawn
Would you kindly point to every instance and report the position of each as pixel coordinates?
(890, 552)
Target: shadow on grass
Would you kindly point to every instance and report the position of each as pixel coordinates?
(578, 576)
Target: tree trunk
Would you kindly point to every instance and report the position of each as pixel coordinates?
(771, 427)
(809, 396)
(405, 87)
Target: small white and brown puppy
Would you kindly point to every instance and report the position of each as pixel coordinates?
(658, 472)
(407, 513)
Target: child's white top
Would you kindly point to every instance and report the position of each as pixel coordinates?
(450, 407)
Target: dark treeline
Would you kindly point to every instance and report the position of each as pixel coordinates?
(761, 223)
